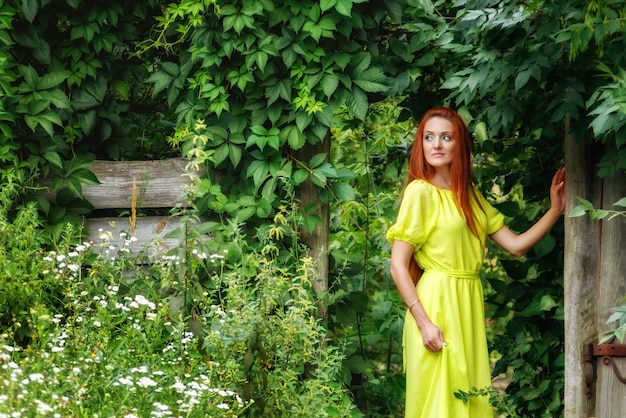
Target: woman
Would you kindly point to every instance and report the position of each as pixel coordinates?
(442, 226)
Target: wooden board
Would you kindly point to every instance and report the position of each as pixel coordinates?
(105, 235)
(611, 393)
(611, 397)
(581, 272)
(160, 183)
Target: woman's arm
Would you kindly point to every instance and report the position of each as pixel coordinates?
(519, 245)
(401, 253)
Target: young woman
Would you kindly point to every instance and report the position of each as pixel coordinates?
(441, 231)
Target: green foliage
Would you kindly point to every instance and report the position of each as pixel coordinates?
(586, 207)
(226, 333)
(72, 88)
(495, 397)
(266, 79)
(619, 332)
(269, 80)
(365, 310)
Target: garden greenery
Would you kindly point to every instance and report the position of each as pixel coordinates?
(112, 80)
(195, 334)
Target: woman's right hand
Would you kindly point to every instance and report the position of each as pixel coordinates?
(432, 337)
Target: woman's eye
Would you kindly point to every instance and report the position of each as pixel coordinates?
(428, 137)
(447, 138)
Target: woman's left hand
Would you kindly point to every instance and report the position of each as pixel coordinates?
(557, 191)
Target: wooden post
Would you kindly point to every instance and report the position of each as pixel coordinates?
(581, 271)
(316, 240)
(610, 392)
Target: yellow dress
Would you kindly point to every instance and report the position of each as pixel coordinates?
(452, 295)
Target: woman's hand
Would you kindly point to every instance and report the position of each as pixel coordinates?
(432, 337)
(557, 191)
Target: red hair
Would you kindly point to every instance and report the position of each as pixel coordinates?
(460, 168)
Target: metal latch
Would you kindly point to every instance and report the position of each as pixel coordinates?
(606, 351)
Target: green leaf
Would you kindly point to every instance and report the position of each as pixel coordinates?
(235, 153)
(264, 208)
(358, 103)
(329, 84)
(521, 79)
(615, 316)
(343, 191)
(317, 160)
(547, 303)
(121, 87)
(544, 246)
(161, 80)
(344, 7)
(327, 4)
(299, 176)
(53, 158)
(621, 202)
(221, 153)
(579, 210)
(86, 177)
(480, 133)
(82, 100)
(293, 136)
(29, 9)
(87, 121)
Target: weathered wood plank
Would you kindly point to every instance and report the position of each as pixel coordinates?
(106, 234)
(581, 272)
(611, 397)
(160, 183)
(611, 393)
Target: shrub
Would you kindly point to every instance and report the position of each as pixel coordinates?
(195, 334)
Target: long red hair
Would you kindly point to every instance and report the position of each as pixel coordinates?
(460, 169)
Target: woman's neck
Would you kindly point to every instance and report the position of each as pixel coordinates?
(441, 180)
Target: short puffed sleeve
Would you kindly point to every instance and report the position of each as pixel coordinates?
(495, 219)
(416, 216)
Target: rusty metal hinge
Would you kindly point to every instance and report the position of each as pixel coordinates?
(606, 351)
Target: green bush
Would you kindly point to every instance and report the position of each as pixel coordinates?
(196, 334)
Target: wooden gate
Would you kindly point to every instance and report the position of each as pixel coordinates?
(595, 282)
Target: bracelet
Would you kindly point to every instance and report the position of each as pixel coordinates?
(413, 304)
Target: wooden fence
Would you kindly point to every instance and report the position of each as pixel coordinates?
(136, 186)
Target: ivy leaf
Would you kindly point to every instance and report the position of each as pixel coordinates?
(544, 246)
(82, 100)
(579, 210)
(371, 80)
(162, 79)
(29, 9)
(344, 7)
(235, 153)
(621, 202)
(86, 177)
(547, 303)
(53, 158)
(357, 103)
(329, 84)
(87, 121)
(317, 160)
(343, 191)
(293, 136)
(327, 4)
(299, 176)
(221, 153)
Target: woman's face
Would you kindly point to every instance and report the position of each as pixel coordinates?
(438, 142)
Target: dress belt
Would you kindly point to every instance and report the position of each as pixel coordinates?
(456, 273)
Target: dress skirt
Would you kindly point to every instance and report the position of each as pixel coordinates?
(453, 301)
